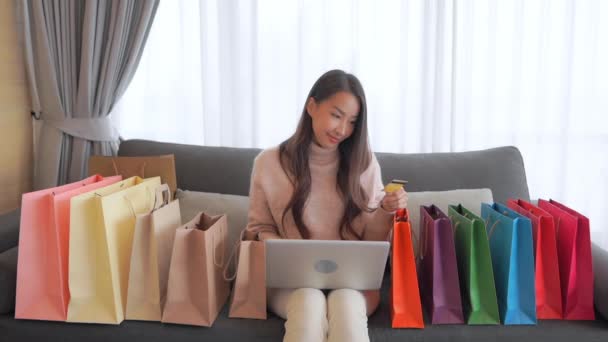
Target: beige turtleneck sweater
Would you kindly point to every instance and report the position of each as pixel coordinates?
(271, 191)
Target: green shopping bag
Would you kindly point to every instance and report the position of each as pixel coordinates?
(479, 301)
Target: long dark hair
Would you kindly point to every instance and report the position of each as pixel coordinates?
(355, 155)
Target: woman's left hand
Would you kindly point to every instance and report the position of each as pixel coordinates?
(395, 200)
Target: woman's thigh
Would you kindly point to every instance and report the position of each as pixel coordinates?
(277, 301)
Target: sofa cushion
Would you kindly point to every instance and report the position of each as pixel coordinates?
(600, 270)
(469, 198)
(251, 330)
(8, 280)
(228, 170)
(9, 230)
(500, 169)
(235, 207)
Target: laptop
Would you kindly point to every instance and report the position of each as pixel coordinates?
(325, 264)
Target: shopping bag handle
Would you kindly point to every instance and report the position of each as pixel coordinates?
(487, 222)
(201, 226)
(456, 227)
(162, 196)
(402, 215)
(223, 243)
(130, 202)
(491, 232)
(116, 173)
(234, 255)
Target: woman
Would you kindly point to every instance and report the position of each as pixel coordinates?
(323, 183)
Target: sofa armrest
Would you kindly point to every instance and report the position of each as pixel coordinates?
(8, 280)
(600, 281)
(9, 230)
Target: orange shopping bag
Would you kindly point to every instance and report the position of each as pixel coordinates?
(406, 309)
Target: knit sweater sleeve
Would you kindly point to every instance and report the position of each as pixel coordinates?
(260, 222)
(379, 222)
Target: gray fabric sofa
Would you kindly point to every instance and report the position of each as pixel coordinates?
(227, 170)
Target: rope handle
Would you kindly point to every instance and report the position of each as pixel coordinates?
(466, 215)
(200, 225)
(455, 226)
(132, 207)
(223, 244)
(141, 174)
(491, 232)
(115, 167)
(234, 255)
(487, 222)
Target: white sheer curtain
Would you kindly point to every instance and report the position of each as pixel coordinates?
(439, 76)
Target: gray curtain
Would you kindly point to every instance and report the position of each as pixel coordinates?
(80, 57)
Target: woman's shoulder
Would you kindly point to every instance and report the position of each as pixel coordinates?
(372, 173)
(267, 166)
(373, 166)
(267, 159)
(268, 155)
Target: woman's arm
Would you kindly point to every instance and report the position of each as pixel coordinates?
(379, 226)
(379, 222)
(260, 223)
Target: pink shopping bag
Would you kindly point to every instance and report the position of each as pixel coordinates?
(42, 267)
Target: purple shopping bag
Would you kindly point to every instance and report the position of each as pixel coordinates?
(439, 283)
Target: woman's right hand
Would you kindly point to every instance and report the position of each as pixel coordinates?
(393, 201)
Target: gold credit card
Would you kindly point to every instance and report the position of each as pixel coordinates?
(394, 185)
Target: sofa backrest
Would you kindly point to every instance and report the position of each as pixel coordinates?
(228, 170)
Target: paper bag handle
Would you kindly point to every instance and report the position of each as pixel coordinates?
(201, 226)
(116, 173)
(130, 203)
(160, 200)
(234, 254)
(223, 243)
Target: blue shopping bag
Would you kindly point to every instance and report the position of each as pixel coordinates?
(512, 251)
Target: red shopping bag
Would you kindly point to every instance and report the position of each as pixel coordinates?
(574, 257)
(548, 289)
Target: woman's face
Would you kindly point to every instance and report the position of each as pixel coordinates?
(333, 119)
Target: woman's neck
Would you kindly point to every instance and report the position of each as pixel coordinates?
(321, 155)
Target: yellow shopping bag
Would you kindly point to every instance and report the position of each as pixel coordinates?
(101, 233)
